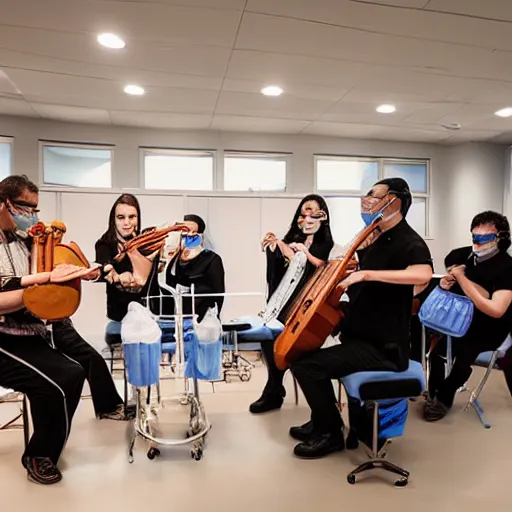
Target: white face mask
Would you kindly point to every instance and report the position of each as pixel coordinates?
(487, 251)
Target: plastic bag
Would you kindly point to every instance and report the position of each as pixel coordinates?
(209, 330)
(141, 337)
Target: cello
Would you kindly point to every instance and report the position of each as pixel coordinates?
(316, 311)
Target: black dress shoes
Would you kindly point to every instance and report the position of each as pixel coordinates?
(302, 433)
(319, 446)
(266, 403)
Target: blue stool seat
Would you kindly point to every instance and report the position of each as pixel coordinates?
(484, 359)
(385, 385)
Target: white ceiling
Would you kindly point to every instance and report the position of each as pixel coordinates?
(203, 63)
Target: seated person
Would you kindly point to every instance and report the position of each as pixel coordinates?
(123, 224)
(375, 330)
(192, 264)
(309, 233)
(484, 276)
(51, 377)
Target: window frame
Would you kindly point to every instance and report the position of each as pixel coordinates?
(9, 140)
(143, 150)
(339, 193)
(276, 155)
(73, 145)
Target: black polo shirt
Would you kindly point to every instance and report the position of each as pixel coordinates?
(493, 274)
(380, 313)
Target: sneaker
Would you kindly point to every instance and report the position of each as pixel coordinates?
(41, 470)
(320, 445)
(119, 414)
(302, 433)
(434, 410)
(266, 403)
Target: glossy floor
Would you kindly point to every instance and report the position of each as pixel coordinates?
(248, 464)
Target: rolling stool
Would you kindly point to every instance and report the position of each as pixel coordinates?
(233, 363)
(374, 387)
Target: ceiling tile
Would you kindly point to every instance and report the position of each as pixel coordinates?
(102, 94)
(71, 49)
(176, 24)
(349, 130)
(491, 9)
(257, 124)
(158, 120)
(400, 17)
(295, 90)
(257, 105)
(72, 114)
(15, 107)
(211, 4)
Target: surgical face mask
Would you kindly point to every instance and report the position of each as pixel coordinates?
(192, 241)
(25, 221)
(369, 218)
(485, 246)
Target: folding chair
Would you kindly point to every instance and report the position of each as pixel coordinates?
(486, 360)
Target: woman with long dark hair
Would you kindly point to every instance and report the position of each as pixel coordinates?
(310, 234)
(123, 224)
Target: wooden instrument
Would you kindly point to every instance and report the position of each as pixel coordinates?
(52, 301)
(316, 310)
(151, 240)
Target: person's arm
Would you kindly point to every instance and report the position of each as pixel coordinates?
(285, 250)
(417, 275)
(321, 253)
(496, 305)
(217, 278)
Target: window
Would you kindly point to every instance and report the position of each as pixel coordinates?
(5, 157)
(350, 177)
(77, 165)
(178, 169)
(254, 172)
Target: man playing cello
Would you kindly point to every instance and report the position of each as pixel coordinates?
(375, 333)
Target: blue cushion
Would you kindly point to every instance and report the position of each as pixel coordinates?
(113, 327)
(484, 358)
(258, 332)
(354, 381)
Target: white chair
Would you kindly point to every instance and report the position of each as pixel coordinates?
(20, 421)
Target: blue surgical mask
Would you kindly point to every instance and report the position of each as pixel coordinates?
(25, 221)
(484, 239)
(191, 241)
(369, 218)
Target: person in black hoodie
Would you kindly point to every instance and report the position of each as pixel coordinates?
(310, 233)
(123, 224)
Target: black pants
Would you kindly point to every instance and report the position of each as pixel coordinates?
(53, 384)
(465, 351)
(66, 339)
(274, 385)
(315, 371)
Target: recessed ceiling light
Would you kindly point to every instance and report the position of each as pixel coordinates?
(504, 112)
(134, 90)
(111, 41)
(386, 109)
(272, 90)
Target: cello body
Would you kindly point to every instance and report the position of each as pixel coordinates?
(316, 311)
(52, 301)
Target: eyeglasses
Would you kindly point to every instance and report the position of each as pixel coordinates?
(25, 207)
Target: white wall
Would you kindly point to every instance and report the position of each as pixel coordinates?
(465, 180)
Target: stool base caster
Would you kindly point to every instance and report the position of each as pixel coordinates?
(351, 479)
(402, 482)
(153, 453)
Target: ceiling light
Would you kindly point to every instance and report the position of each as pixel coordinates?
(452, 126)
(111, 41)
(272, 90)
(386, 109)
(504, 112)
(134, 90)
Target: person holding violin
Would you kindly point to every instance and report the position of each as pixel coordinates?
(375, 331)
(483, 273)
(309, 233)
